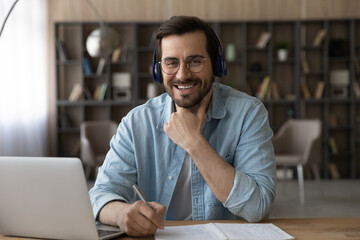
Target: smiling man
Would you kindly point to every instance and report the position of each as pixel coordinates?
(201, 151)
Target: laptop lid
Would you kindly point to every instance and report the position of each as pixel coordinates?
(45, 198)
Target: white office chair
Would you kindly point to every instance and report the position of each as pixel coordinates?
(95, 138)
(298, 143)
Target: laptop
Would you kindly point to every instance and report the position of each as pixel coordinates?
(44, 197)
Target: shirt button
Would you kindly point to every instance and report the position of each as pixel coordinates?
(170, 178)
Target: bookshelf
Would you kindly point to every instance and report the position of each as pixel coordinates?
(313, 59)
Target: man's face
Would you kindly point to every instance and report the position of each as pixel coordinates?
(184, 87)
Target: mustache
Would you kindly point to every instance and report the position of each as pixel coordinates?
(186, 81)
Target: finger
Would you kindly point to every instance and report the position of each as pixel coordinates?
(156, 215)
(141, 227)
(150, 215)
(160, 210)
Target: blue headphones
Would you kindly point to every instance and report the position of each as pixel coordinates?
(218, 70)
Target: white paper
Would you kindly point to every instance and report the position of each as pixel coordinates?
(231, 231)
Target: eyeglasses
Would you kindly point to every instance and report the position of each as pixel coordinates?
(195, 64)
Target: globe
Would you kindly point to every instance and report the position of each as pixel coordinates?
(102, 41)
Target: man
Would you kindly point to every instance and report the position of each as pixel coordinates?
(200, 151)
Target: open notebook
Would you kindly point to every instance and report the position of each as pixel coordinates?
(47, 198)
(224, 231)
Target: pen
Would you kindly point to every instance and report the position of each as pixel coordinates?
(140, 194)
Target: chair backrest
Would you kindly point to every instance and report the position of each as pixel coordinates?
(99, 134)
(299, 136)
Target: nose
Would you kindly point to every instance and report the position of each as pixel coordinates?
(183, 73)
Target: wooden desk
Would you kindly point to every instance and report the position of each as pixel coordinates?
(300, 228)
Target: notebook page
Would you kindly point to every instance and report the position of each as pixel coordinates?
(253, 231)
(198, 232)
(216, 231)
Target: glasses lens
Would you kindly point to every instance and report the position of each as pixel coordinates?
(171, 65)
(195, 64)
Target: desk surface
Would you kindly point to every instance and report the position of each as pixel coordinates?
(300, 228)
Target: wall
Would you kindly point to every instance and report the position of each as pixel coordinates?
(159, 10)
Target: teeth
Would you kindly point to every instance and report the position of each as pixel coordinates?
(185, 86)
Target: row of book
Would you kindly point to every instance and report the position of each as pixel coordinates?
(318, 93)
(264, 38)
(319, 90)
(99, 93)
(267, 90)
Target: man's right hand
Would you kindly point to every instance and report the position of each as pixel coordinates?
(137, 219)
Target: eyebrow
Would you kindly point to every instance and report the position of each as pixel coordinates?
(191, 56)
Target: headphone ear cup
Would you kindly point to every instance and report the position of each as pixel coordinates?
(219, 68)
(157, 76)
(156, 71)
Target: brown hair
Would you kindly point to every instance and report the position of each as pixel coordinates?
(178, 25)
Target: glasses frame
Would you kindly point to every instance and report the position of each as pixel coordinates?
(186, 64)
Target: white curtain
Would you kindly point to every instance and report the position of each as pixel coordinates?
(23, 79)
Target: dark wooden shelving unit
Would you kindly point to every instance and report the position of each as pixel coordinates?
(288, 76)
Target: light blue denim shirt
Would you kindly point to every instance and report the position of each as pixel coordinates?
(140, 152)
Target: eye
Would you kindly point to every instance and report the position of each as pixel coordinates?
(195, 61)
(171, 63)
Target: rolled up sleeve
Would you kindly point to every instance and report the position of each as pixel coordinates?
(254, 184)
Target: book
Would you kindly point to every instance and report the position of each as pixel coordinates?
(64, 121)
(334, 171)
(319, 38)
(304, 65)
(116, 55)
(60, 47)
(124, 54)
(274, 91)
(97, 92)
(263, 88)
(263, 39)
(333, 146)
(229, 231)
(305, 90)
(101, 66)
(75, 92)
(102, 92)
(87, 66)
(319, 90)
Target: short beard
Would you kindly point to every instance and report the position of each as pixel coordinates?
(185, 104)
